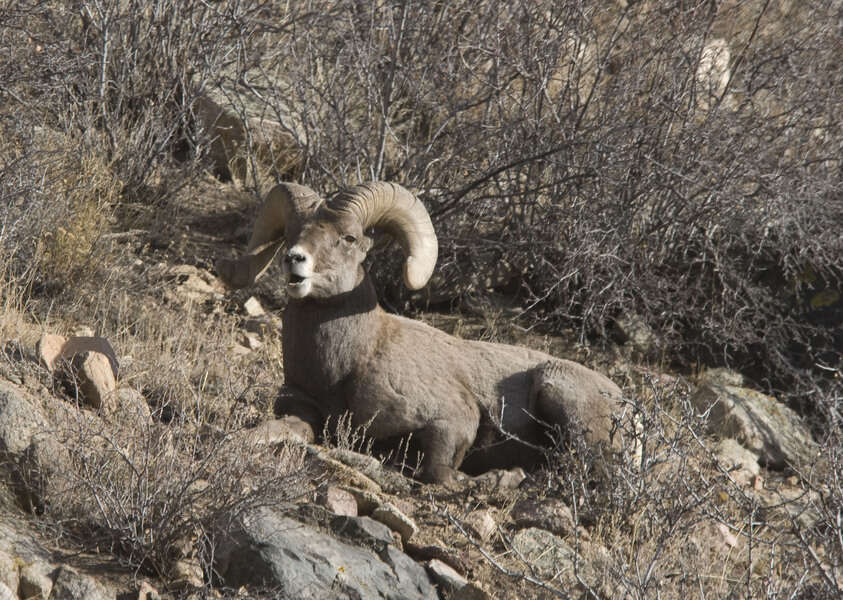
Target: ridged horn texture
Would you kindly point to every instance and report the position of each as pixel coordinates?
(392, 208)
(283, 210)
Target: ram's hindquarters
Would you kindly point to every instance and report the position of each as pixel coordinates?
(579, 400)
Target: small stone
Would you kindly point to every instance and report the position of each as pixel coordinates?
(192, 284)
(430, 552)
(36, 581)
(49, 349)
(95, 379)
(734, 457)
(338, 501)
(758, 482)
(253, 307)
(721, 376)
(728, 537)
(72, 585)
(502, 479)
(550, 515)
(482, 524)
(344, 474)
(445, 576)
(636, 333)
(273, 432)
(389, 515)
(547, 553)
(366, 501)
(52, 348)
(252, 340)
(147, 592)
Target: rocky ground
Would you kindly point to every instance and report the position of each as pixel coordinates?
(141, 459)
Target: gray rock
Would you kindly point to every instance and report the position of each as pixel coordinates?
(21, 417)
(637, 334)
(363, 531)
(547, 553)
(272, 143)
(768, 428)
(338, 501)
(741, 462)
(274, 552)
(550, 514)
(446, 576)
(273, 432)
(31, 450)
(6, 592)
(481, 524)
(132, 405)
(389, 514)
(553, 558)
(9, 575)
(36, 580)
(502, 479)
(72, 585)
(372, 468)
(39, 466)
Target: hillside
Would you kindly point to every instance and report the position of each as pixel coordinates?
(652, 190)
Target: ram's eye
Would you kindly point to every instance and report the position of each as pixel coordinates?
(349, 238)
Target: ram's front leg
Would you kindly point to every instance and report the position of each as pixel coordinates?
(444, 444)
(299, 412)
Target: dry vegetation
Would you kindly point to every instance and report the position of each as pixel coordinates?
(586, 162)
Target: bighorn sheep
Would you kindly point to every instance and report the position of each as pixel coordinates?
(342, 352)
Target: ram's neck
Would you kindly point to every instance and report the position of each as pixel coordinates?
(324, 341)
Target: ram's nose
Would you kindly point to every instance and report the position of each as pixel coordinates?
(294, 256)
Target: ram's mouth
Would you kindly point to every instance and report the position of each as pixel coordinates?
(295, 280)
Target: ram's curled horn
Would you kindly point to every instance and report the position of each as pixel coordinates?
(283, 210)
(392, 208)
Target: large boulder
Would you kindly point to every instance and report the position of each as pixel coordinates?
(551, 557)
(761, 424)
(268, 550)
(69, 584)
(21, 419)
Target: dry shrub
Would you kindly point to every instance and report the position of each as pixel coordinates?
(676, 161)
(678, 522)
(83, 193)
(153, 493)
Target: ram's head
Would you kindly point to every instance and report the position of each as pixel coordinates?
(327, 242)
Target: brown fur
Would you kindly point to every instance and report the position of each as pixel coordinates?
(346, 354)
(343, 353)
